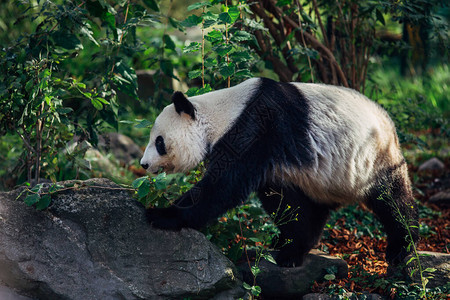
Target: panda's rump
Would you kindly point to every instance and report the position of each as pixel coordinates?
(352, 140)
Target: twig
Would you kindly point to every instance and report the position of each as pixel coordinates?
(203, 50)
(324, 34)
(121, 37)
(227, 42)
(303, 38)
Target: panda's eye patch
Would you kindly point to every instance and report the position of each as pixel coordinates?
(160, 146)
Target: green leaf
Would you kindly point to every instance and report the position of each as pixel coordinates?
(222, 49)
(410, 260)
(269, 258)
(102, 100)
(31, 199)
(255, 240)
(247, 286)
(198, 5)
(169, 44)
(44, 202)
(240, 56)
(160, 181)
(86, 31)
(167, 68)
(380, 17)
(241, 36)
(97, 104)
(64, 110)
(255, 270)
(210, 62)
(195, 91)
(143, 124)
(192, 47)
(110, 20)
(209, 19)
(230, 16)
(152, 4)
(214, 36)
(329, 277)
(227, 70)
(283, 2)
(243, 74)
(194, 74)
(138, 182)
(192, 21)
(430, 270)
(144, 189)
(256, 290)
(66, 40)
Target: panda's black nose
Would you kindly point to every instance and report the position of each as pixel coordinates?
(145, 166)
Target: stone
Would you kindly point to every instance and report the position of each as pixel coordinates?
(436, 260)
(122, 147)
(433, 164)
(8, 294)
(279, 283)
(441, 199)
(93, 242)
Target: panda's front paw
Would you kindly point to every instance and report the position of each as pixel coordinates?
(165, 218)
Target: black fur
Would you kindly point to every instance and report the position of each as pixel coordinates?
(182, 104)
(391, 200)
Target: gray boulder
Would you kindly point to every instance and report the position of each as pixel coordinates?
(292, 283)
(433, 164)
(9, 294)
(435, 260)
(94, 243)
(441, 198)
(122, 147)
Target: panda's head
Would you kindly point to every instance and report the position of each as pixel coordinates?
(178, 139)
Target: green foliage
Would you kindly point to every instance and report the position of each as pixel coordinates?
(355, 217)
(44, 99)
(416, 105)
(162, 190)
(226, 49)
(245, 226)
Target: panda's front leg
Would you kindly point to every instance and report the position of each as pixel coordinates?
(165, 218)
(190, 210)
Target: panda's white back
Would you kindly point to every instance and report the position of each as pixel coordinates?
(354, 139)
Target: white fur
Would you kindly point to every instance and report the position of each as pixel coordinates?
(354, 139)
(186, 139)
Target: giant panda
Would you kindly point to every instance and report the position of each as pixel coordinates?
(318, 146)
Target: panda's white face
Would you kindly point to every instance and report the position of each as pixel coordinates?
(185, 129)
(177, 142)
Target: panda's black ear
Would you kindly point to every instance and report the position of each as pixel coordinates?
(183, 105)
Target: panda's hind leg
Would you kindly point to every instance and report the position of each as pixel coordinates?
(392, 202)
(299, 219)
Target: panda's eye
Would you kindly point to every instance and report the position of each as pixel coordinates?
(160, 146)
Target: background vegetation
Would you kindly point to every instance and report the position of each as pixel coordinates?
(72, 71)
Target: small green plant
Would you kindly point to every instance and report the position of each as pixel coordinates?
(262, 241)
(162, 190)
(413, 264)
(226, 54)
